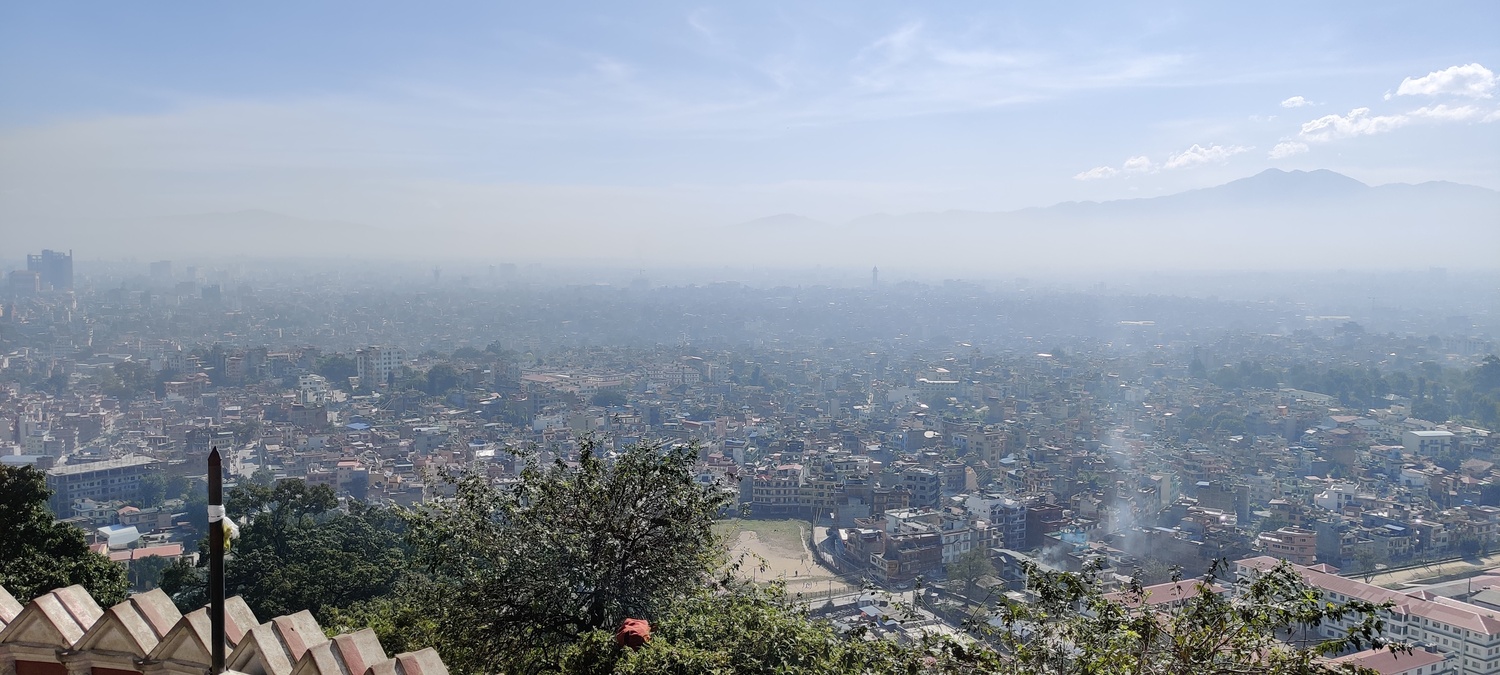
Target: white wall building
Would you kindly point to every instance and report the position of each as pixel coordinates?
(1467, 634)
(376, 364)
(1425, 443)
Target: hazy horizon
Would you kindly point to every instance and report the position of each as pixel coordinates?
(647, 135)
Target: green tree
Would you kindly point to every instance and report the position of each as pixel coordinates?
(468, 354)
(441, 379)
(196, 507)
(568, 550)
(39, 554)
(130, 379)
(735, 627)
(145, 574)
(178, 487)
(338, 368)
(1071, 627)
(153, 490)
(1197, 370)
(403, 620)
(263, 476)
(970, 567)
(245, 431)
(185, 582)
(298, 551)
(608, 398)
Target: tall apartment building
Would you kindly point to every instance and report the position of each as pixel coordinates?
(100, 481)
(376, 365)
(925, 485)
(54, 269)
(1006, 516)
(1468, 635)
(161, 272)
(988, 446)
(1297, 545)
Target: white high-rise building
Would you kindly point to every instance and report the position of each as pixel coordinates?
(376, 364)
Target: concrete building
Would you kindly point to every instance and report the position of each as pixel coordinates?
(377, 364)
(1007, 519)
(54, 269)
(113, 479)
(925, 485)
(1295, 545)
(1425, 443)
(1467, 635)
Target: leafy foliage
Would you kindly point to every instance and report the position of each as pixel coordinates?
(608, 398)
(297, 551)
(144, 574)
(742, 628)
(441, 379)
(153, 490)
(1073, 628)
(337, 369)
(970, 567)
(39, 554)
(522, 573)
(404, 621)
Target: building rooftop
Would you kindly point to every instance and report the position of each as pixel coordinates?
(118, 463)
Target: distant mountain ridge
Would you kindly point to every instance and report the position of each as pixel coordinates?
(783, 220)
(1277, 218)
(1266, 187)
(1272, 220)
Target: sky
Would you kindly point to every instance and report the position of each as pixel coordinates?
(584, 116)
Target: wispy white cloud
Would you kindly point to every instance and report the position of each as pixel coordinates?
(1445, 113)
(1198, 154)
(1472, 80)
(612, 69)
(1359, 122)
(1096, 173)
(977, 58)
(1136, 164)
(1494, 116)
(698, 20)
(896, 46)
(1286, 149)
(913, 69)
(1296, 102)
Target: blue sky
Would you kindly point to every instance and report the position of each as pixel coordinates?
(516, 116)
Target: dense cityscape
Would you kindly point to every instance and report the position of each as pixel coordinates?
(777, 338)
(940, 437)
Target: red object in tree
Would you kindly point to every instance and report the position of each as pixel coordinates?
(634, 633)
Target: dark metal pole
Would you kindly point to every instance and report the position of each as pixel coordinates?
(216, 558)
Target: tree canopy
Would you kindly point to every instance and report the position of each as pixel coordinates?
(297, 550)
(1072, 627)
(525, 571)
(39, 554)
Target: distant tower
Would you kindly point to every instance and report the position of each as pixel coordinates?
(437, 274)
(874, 276)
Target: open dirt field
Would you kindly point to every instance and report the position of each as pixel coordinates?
(780, 547)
